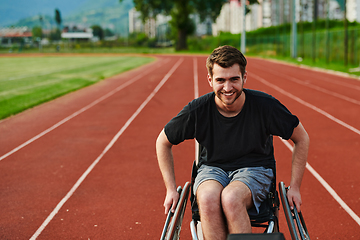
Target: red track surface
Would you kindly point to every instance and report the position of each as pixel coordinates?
(121, 196)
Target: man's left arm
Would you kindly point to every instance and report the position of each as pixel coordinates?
(299, 157)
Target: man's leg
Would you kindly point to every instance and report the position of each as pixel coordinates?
(236, 199)
(212, 217)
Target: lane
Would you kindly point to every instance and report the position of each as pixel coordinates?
(334, 82)
(327, 187)
(343, 109)
(310, 83)
(46, 169)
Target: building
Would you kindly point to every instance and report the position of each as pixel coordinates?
(136, 25)
(231, 17)
(353, 10)
(74, 32)
(17, 35)
(274, 12)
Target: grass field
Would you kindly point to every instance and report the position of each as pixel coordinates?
(28, 81)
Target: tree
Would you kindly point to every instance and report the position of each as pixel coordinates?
(58, 18)
(180, 11)
(37, 33)
(108, 33)
(98, 31)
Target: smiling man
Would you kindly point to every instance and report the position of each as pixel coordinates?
(235, 126)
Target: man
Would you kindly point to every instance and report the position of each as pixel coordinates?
(235, 126)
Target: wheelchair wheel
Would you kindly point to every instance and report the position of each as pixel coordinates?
(293, 218)
(174, 220)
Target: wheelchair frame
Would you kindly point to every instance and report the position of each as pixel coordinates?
(295, 220)
(173, 221)
(267, 218)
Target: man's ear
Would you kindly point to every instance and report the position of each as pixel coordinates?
(209, 80)
(245, 77)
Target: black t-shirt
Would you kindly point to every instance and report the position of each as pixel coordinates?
(234, 142)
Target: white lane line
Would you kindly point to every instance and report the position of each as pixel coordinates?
(78, 112)
(196, 79)
(320, 89)
(196, 95)
(357, 131)
(341, 83)
(331, 74)
(327, 187)
(107, 148)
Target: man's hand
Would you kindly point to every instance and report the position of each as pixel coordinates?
(171, 199)
(294, 197)
(300, 152)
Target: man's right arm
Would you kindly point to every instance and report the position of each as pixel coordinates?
(166, 165)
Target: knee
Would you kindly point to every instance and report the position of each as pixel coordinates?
(230, 201)
(209, 202)
(233, 203)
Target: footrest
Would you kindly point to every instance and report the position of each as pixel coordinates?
(256, 236)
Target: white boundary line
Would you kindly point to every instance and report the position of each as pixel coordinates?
(196, 79)
(77, 113)
(321, 70)
(357, 131)
(320, 89)
(107, 148)
(327, 187)
(341, 83)
(196, 95)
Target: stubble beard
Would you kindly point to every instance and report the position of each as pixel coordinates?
(226, 102)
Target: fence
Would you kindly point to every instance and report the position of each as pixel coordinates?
(326, 46)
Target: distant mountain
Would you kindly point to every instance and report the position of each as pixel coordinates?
(14, 10)
(107, 13)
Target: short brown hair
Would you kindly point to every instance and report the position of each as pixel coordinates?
(226, 56)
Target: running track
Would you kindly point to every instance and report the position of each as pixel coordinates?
(84, 166)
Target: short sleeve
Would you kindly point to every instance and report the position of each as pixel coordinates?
(282, 122)
(181, 127)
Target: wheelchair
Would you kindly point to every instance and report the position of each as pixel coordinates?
(267, 218)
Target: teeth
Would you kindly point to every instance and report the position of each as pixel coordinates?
(228, 94)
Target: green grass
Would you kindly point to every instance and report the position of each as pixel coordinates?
(28, 81)
(78, 49)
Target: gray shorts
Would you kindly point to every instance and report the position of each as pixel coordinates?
(258, 180)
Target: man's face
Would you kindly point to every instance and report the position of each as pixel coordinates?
(227, 84)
